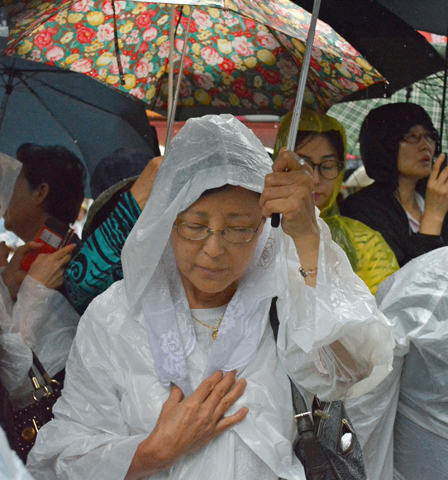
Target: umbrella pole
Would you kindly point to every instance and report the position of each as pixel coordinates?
(170, 64)
(445, 81)
(295, 119)
(303, 76)
(172, 115)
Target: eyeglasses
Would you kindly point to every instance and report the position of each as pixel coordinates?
(328, 169)
(196, 231)
(413, 138)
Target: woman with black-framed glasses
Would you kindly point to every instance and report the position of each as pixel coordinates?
(321, 142)
(408, 202)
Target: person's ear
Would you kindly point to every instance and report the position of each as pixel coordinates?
(41, 193)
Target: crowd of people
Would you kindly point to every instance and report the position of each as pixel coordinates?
(173, 370)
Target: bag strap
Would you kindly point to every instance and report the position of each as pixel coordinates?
(297, 399)
(49, 385)
(42, 371)
(307, 439)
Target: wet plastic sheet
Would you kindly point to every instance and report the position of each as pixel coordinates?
(11, 467)
(114, 389)
(9, 171)
(416, 300)
(41, 320)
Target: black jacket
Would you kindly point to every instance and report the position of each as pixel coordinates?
(377, 207)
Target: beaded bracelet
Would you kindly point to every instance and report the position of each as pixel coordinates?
(305, 273)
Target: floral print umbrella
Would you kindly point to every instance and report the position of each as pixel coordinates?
(242, 58)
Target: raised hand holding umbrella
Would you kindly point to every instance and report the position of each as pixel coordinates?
(295, 120)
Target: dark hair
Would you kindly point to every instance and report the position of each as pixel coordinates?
(333, 136)
(122, 164)
(62, 171)
(380, 136)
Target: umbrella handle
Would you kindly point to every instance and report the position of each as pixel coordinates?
(295, 119)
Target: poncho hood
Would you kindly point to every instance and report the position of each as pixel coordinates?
(314, 122)
(207, 153)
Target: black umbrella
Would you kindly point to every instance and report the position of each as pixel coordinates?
(427, 15)
(430, 17)
(391, 45)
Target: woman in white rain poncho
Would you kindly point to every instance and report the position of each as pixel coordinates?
(34, 316)
(119, 417)
(406, 416)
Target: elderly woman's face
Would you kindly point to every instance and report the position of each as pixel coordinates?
(210, 268)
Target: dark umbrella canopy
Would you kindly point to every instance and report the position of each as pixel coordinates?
(391, 45)
(426, 15)
(47, 105)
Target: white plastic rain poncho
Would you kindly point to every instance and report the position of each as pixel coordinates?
(11, 467)
(9, 171)
(138, 336)
(41, 319)
(403, 423)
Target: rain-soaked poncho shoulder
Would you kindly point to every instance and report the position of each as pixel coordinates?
(370, 256)
(9, 171)
(138, 336)
(415, 299)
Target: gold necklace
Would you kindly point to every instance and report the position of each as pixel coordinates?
(215, 329)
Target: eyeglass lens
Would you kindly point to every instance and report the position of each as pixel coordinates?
(194, 231)
(328, 169)
(430, 137)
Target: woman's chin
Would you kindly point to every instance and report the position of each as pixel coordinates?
(203, 291)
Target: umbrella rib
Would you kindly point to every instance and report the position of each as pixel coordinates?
(8, 90)
(32, 91)
(287, 50)
(62, 92)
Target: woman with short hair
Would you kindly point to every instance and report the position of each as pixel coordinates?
(398, 144)
(34, 316)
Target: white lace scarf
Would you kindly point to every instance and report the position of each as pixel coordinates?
(170, 326)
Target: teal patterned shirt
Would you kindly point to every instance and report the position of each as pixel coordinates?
(98, 264)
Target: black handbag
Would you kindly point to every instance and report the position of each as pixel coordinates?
(30, 419)
(326, 444)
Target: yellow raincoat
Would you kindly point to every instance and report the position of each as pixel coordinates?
(370, 256)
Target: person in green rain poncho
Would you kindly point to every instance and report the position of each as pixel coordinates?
(322, 143)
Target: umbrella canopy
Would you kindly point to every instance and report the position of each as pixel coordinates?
(47, 105)
(243, 59)
(429, 16)
(387, 42)
(427, 93)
